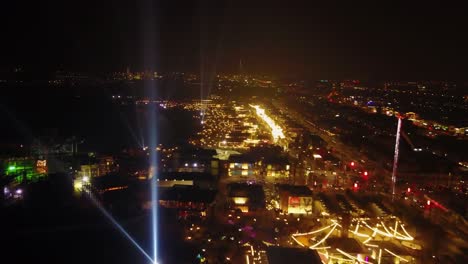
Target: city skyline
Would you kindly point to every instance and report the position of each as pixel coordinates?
(356, 41)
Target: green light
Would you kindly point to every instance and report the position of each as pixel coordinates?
(12, 168)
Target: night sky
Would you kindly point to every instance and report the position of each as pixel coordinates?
(418, 40)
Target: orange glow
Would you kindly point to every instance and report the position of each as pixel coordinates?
(115, 188)
(240, 200)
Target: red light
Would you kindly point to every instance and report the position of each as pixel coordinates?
(355, 185)
(409, 189)
(352, 163)
(365, 173)
(428, 202)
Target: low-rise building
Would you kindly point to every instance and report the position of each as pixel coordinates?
(188, 200)
(241, 166)
(295, 199)
(246, 197)
(198, 179)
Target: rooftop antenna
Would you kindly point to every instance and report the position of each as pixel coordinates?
(241, 70)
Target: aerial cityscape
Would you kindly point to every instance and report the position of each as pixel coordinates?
(157, 132)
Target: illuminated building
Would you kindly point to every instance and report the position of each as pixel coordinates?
(190, 160)
(41, 166)
(241, 166)
(246, 197)
(25, 169)
(91, 170)
(276, 168)
(198, 179)
(187, 199)
(98, 166)
(295, 199)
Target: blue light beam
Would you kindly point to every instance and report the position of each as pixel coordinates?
(153, 179)
(150, 37)
(116, 224)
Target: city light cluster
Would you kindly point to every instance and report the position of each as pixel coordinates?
(276, 131)
(325, 232)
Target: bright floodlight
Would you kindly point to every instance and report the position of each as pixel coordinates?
(116, 224)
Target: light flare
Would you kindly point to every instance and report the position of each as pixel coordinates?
(116, 224)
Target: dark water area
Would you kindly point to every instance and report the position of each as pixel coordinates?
(101, 123)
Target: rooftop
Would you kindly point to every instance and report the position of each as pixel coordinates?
(195, 176)
(186, 194)
(283, 255)
(296, 190)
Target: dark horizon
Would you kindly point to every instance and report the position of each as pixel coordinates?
(323, 41)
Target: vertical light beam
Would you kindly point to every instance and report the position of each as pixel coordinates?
(153, 172)
(150, 35)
